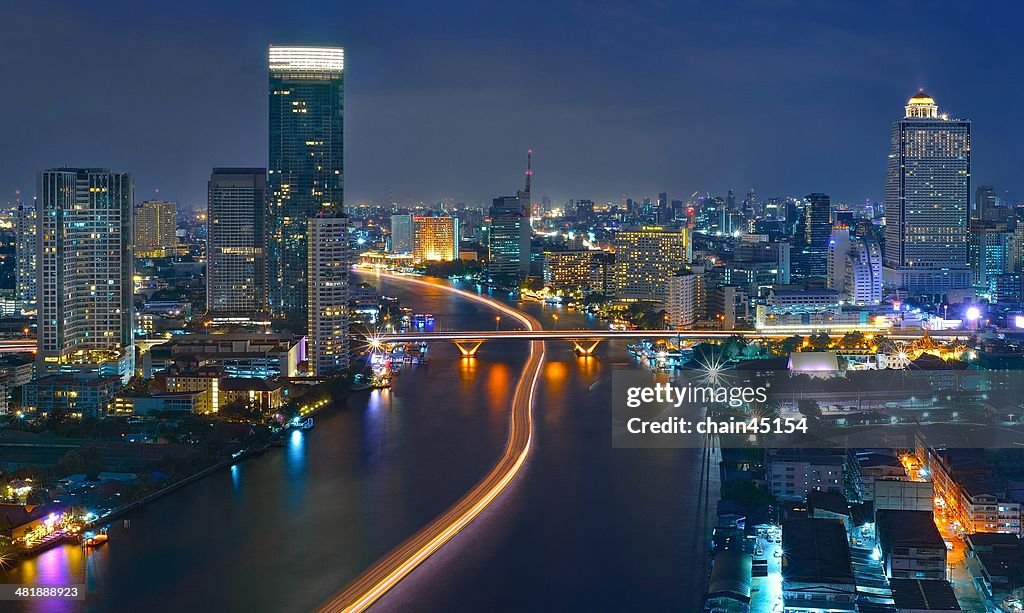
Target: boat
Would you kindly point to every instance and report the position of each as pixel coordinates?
(94, 539)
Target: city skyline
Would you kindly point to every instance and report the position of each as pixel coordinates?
(648, 143)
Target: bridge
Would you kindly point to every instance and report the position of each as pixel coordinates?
(584, 342)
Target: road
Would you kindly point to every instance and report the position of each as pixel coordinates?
(387, 572)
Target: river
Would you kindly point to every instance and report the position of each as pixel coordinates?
(584, 527)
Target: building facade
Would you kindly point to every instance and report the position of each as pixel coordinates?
(508, 240)
(401, 234)
(26, 256)
(156, 222)
(927, 194)
(435, 238)
(645, 258)
(810, 245)
(683, 302)
(306, 164)
(329, 262)
(236, 266)
(84, 281)
(568, 271)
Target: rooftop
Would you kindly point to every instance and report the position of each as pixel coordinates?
(923, 594)
(908, 529)
(816, 550)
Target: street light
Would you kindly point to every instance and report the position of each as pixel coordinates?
(497, 321)
(554, 317)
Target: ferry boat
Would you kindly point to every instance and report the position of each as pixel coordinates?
(94, 539)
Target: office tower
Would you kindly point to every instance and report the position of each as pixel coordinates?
(329, 262)
(85, 269)
(683, 299)
(435, 238)
(236, 282)
(156, 222)
(664, 211)
(810, 242)
(306, 164)
(26, 254)
(401, 234)
(984, 201)
(508, 240)
(990, 253)
(730, 201)
(645, 257)
(926, 201)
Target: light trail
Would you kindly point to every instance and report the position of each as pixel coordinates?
(387, 572)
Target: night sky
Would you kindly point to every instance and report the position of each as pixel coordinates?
(444, 98)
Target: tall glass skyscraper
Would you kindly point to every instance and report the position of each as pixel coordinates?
(306, 169)
(84, 285)
(927, 196)
(810, 248)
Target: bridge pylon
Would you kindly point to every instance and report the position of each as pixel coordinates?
(468, 349)
(585, 346)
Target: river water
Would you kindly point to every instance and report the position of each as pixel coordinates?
(584, 527)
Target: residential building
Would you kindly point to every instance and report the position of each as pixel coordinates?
(236, 266)
(329, 263)
(74, 395)
(84, 279)
(26, 254)
(793, 473)
(684, 299)
(910, 545)
(156, 224)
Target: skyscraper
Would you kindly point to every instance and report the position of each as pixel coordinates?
(156, 222)
(508, 239)
(329, 262)
(401, 234)
(26, 254)
(927, 192)
(84, 281)
(810, 243)
(236, 264)
(985, 200)
(306, 164)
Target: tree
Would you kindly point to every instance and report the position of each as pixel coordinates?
(809, 409)
(820, 342)
(791, 344)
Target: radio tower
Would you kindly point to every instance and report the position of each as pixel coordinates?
(529, 177)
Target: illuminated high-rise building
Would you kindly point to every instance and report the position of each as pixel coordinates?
(156, 222)
(508, 237)
(84, 282)
(236, 241)
(927, 194)
(26, 254)
(645, 258)
(329, 262)
(435, 238)
(306, 169)
(401, 234)
(810, 241)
